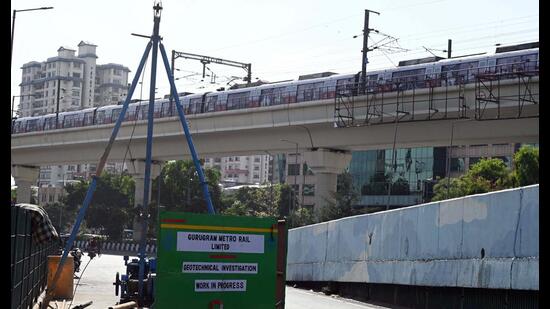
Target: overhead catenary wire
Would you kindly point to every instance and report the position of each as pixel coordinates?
(375, 65)
(353, 57)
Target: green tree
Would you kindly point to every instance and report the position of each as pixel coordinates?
(484, 176)
(288, 200)
(344, 198)
(256, 202)
(180, 188)
(13, 195)
(111, 209)
(526, 165)
(300, 217)
(492, 170)
(273, 201)
(62, 217)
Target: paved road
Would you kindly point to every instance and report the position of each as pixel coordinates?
(96, 282)
(96, 285)
(303, 299)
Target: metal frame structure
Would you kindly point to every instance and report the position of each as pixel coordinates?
(488, 91)
(207, 60)
(383, 106)
(154, 44)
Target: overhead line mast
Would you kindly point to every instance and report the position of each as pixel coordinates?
(366, 31)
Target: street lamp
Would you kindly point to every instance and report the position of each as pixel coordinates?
(295, 162)
(13, 25)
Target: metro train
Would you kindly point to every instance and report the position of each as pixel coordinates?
(433, 74)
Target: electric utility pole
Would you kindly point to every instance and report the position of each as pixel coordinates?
(366, 49)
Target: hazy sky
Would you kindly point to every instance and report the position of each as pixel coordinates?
(282, 39)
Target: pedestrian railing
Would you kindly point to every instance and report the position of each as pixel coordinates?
(114, 247)
(28, 260)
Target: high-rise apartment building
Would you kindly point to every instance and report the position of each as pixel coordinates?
(238, 170)
(73, 79)
(74, 82)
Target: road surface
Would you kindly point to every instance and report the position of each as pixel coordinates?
(97, 279)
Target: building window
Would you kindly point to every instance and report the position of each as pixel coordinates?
(309, 190)
(75, 74)
(306, 170)
(293, 169)
(457, 165)
(474, 160)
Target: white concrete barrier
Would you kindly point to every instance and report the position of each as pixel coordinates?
(482, 241)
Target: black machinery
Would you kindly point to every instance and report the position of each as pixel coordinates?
(127, 285)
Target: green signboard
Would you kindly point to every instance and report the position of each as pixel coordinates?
(212, 261)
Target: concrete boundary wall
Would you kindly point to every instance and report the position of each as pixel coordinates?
(482, 241)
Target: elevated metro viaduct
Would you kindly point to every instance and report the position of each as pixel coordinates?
(425, 117)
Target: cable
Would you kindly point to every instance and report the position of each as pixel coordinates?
(135, 121)
(81, 275)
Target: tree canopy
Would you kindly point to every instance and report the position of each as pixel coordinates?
(526, 165)
(112, 206)
(492, 174)
(180, 188)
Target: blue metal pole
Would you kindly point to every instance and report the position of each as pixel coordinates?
(181, 114)
(102, 161)
(147, 180)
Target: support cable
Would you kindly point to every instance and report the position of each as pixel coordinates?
(78, 282)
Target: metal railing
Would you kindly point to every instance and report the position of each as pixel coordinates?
(441, 96)
(28, 261)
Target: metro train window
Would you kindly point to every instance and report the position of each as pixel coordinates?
(237, 100)
(17, 127)
(49, 123)
(115, 114)
(530, 61)
(69, 121)
(88, 118)
(516, 63)
(211, 103)
(100, 117)
(143, 111)
(195, 105)
(165, 112)
(410, 79)
(345, 85)
(460, 70)
(157, 110)
(273, 96)
(309, 92)
(32, 125)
